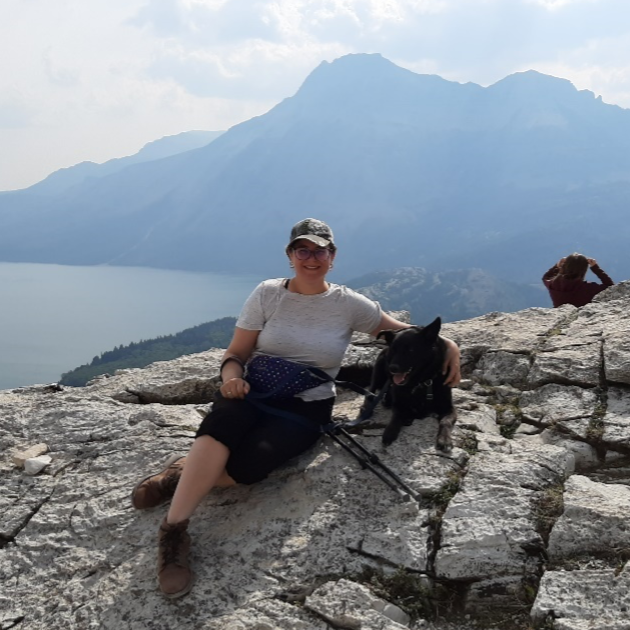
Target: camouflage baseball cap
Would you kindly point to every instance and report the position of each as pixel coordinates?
(312, 230)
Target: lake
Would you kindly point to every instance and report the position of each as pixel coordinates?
(54, 318)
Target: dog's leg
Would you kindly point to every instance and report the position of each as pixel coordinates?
(377, 382)
(380, 379)
(392, 430)
(387, 399)
(447, 416)
(379, 374)
(444, 441)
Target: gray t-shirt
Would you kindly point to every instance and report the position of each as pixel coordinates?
(310, 329)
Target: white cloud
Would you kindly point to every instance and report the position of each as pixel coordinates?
(553, 5)
(601, 65)
(94, 80)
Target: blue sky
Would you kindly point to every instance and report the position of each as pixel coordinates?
(97, 79)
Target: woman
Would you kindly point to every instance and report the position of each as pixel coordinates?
(304, 319)
(566, 284)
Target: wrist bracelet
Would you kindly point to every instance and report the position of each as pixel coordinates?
(232, 357)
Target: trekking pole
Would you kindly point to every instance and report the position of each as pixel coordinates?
(370, 460)
(374, 458)
(365, 463)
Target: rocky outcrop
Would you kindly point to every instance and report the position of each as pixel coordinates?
(525, 522)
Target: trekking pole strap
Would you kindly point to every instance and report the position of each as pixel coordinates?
(287, 415)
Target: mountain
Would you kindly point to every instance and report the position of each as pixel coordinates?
(453, 295)
(63, 179)
(410, 170)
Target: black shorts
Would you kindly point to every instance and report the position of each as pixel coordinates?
(260, 441)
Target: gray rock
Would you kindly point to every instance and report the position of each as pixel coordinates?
(616, 420)
(584, 599)
(594, 521)
(489, 526)
(292, 551)
(189, 379)
(573, 365)
(501, 368)
(616, 334)
(617, 293)
(345, 604)
(34, 465)
(558, 405)
(585, 455)
(32, 451)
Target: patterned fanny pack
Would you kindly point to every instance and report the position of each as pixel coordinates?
(275, 378)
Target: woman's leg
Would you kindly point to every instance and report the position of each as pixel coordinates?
(261, 444)
(204, 469)
(274, 440)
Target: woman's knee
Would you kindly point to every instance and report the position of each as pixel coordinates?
(246, 473)
(255, 463)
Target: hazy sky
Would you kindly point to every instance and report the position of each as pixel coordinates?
(96, 79)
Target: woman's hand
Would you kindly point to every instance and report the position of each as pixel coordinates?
(451, 368)
(240, 349)
(236, 387)
(591, 262)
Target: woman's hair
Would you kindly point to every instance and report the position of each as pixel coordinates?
(574, 267)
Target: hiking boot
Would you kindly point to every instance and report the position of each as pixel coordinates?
(157, 489)
(174, 575)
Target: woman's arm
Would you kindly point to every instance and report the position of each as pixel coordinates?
(600, 273)
(240, 349)
(452, 360)
(388, 323)
(550, 274)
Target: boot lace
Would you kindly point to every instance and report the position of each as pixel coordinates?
(170, 543)
(170, 480)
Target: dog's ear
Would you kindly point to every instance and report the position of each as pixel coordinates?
(432, 331)
(388, 335)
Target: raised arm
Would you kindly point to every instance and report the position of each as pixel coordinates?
(550, 274)
(600, 273)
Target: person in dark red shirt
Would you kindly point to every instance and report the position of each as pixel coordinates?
(566, 284)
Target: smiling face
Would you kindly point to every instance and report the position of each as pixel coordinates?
(313, 267)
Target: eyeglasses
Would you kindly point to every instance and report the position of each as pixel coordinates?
(304, 253)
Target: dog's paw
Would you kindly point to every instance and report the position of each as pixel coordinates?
(366, 411)
(407, 422)
(444, 443)
(390, 434)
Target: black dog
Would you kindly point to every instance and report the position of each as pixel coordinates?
(411, 366)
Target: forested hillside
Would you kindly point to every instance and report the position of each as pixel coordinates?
(215, 334)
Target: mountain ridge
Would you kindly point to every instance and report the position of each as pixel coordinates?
(64, 178)
(404, 180)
